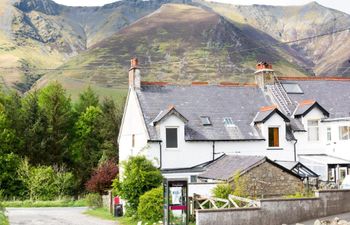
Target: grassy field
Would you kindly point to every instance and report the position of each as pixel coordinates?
(57, 203)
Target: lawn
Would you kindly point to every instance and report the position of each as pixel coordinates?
(57, 203)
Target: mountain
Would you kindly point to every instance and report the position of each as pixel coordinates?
(176, 43)
(37, 34)
(176, 40)
(325, 56)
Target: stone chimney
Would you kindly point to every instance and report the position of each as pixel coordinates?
(264, 74)
(134, 74)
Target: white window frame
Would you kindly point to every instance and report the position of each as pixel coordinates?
(313, 127)
(340, 133)
(177, 133)
(279, 138)
(329, 134)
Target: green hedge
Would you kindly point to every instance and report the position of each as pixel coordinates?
(150, 207)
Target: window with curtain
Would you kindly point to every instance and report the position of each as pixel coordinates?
(274, 137)
(313, 130)
(344, 133)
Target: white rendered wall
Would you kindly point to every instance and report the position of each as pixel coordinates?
(132, 124)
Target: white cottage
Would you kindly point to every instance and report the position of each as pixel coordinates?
(183, 128)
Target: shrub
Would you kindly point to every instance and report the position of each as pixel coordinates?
(102, 178)
(94, 200)
(222, 190)
(9, 181)
(43, 182)
(240, 186)
(139, 177)
(150, 207)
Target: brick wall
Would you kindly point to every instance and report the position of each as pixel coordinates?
(268, 180)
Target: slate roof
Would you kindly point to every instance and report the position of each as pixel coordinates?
(306, 106)
(241, 103)
(264, 115)
(227, 166)
(332, 94)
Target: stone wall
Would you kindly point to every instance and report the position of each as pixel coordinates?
(268, 180)
(280, 211)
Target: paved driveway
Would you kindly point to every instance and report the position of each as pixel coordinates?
(53, 216)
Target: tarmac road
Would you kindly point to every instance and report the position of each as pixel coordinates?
(53, 216)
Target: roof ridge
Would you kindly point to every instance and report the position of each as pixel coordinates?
(199, 83)
(328, 78)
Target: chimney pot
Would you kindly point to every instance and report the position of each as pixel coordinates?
(134, 62)
(134, 74)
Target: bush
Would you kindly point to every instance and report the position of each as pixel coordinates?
(43, 182)
(9, 181)
(222, 190)
(94, 200)
(102, 178)
(139, 177)
(150, 207)
(241, 186)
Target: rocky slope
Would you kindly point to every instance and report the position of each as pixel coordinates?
(42, 34)
(191, 40)
(328, 55)
(170, 48)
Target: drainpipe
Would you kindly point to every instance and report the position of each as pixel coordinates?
(213, 150)
(160, 155)
(295, 149)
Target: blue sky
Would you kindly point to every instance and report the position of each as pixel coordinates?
(343, 5)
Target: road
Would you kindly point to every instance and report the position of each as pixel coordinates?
(344, 216)
(53, 216)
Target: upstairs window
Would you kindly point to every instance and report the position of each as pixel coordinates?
(313, 130)
(274, 139)
(171, 138)
(344, 133)
(329, 134)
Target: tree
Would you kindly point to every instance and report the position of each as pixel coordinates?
(34, 130)
(112, 116)
(10, 184)
(86, 148)
(139, 177)
(86, 99)
(102, 178)
(57, 109)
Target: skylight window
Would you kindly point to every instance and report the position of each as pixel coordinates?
(228, 121)
(205, 120)
(292, 88)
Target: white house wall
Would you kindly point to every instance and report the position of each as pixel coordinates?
(132, 125)
(187, 154)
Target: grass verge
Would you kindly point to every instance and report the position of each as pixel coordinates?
(57, 203)
(101, 213)
(3, 219)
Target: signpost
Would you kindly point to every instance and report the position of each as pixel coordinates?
(176, 208)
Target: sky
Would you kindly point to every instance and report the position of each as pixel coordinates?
(342, 5)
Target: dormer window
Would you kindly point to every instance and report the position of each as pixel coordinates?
(274, 139)
(205, 120)
(171, 137)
